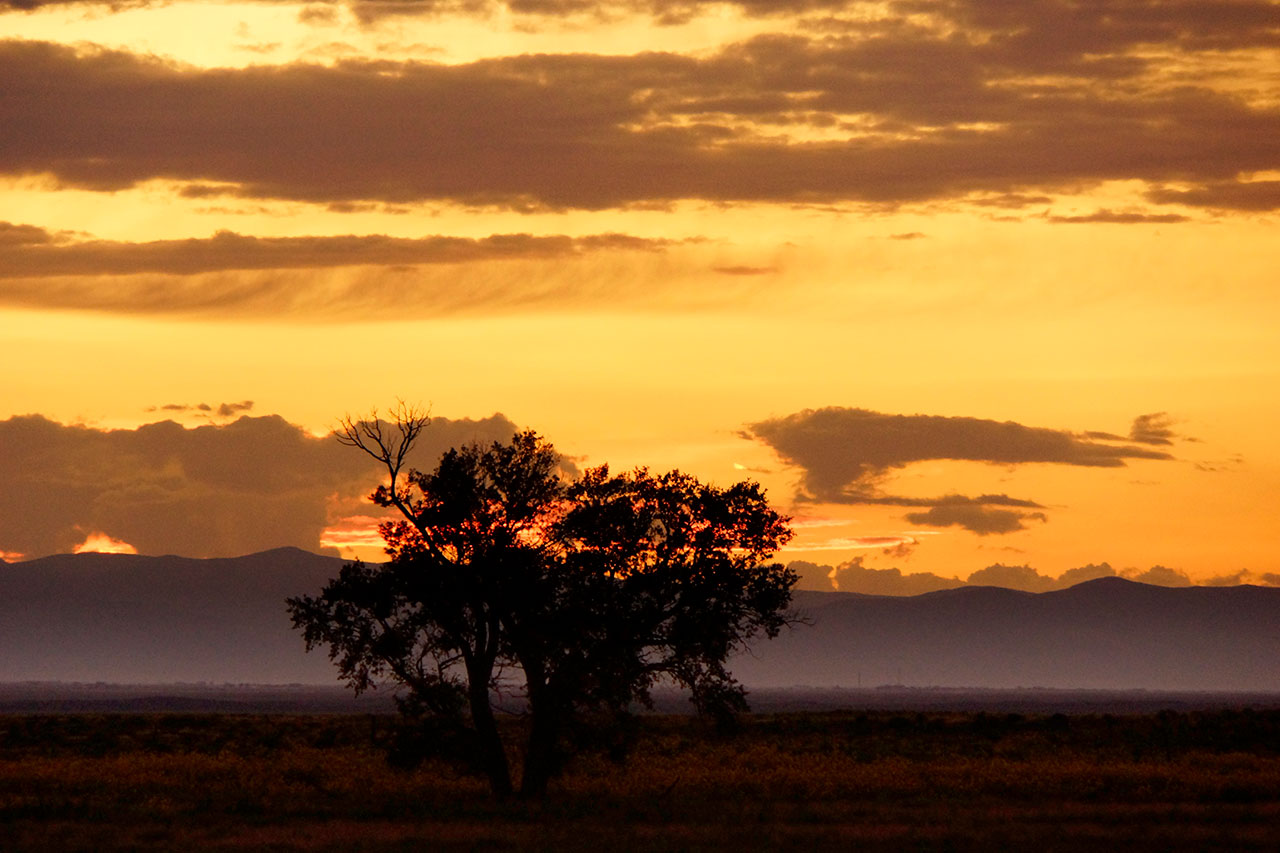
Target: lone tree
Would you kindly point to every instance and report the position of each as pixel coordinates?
(581, 595)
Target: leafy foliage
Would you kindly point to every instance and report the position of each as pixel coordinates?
(585, 594)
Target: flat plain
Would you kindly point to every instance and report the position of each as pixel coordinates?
(817, 780)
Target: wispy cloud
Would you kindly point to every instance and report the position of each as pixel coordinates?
(1113, 217)
(744, 270)
(302, 276)
(28, 252)
(205, 410)
(848, 543)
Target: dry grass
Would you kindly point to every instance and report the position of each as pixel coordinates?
(818, 781)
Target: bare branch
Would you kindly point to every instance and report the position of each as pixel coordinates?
(373, 437)
(369, 434)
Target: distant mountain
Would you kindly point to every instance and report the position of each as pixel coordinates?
(132, 619)
(1107, 633)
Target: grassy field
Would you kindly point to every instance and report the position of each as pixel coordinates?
(825, 781)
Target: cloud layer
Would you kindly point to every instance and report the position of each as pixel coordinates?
(934, 100)
(302, 277)
(212, 491)
(30, 252)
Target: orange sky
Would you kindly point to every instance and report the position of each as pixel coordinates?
(961, 283)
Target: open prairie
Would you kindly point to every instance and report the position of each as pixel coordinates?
(877, 780)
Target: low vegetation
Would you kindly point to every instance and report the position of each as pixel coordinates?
(877, 781)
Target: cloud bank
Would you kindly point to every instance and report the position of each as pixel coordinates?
(854, 576)
(213, 491)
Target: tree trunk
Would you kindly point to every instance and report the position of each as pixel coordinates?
(493, 757)
(540, 758)
(540, 753)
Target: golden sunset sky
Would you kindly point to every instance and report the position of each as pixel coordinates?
(962, 282)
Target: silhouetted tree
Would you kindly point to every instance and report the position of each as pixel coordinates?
(588, 592)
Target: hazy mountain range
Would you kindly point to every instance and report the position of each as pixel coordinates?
(126, 618)
(1108, 633)
(134, 619)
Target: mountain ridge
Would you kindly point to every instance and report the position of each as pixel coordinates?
(145, 619)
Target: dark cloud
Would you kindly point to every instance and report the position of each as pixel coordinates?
(1160, 576)
(1012, 577)
(369, 11)
(22, 235)
(843, 453)
(1255, 196)
(948, 500)
(1093, 571)
(228, 409)
(1121, 218)
(1244, 576)
(745, 270)
(1241, 577)
(811, 575)
(1155, 428)
(30, 5)
(903, 549)
(212, 491)
(853, 576)
(1011, 200)
(224, 410)
(939, 112)
(971, 513)
(32, 252)
(976, 519)
(1061, 29)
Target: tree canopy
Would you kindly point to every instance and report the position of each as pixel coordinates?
(580, 594)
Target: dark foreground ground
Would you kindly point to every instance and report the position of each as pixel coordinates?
(837, 780)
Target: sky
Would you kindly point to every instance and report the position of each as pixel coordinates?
(968, 285)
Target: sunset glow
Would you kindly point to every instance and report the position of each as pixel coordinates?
(962, 284)
(355, 536)
(101, 543)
